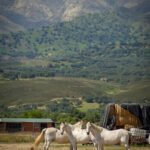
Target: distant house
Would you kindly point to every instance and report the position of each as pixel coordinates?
(24, 124)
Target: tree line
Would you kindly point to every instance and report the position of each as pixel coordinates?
(61, 111)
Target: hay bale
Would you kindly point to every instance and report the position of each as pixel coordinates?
(135, 109)
(124, 117)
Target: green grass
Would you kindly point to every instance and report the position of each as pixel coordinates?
(33, 62)
(43, 90)
(136, 92)
(85, 106)
(46, 89)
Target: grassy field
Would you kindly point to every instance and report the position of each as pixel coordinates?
(85, 106)
(17, 137)
(26, 146)
(47, 89)
(138, 91)
(23, 141)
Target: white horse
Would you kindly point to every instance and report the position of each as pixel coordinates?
(104, 136)
(54, 134)
(77, 136)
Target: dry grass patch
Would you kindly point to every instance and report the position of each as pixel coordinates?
(26, 146)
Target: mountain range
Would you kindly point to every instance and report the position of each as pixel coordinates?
(23, 14)
(75, 38)
(102, 40)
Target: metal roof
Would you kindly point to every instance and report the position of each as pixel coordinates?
(26, 120)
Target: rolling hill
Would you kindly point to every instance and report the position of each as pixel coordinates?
(44, 90)
(136, 92)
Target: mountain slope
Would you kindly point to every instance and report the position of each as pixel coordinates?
(33, 13)
(91, 46)
(9, 26)
(37, 13)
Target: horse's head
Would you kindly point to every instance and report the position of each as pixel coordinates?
(88, 127)
(62, 128)
(79, 124)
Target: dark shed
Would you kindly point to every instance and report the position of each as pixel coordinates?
(24, 124)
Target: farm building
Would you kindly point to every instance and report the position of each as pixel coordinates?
(24, 124)
(127, 116)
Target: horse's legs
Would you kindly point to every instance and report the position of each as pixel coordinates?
(125, 141)
(74, 146)
(127, 146)
(100, 146)
(71, 148)
(73, 143)
(47, 144)
(44, 146)
(95, 145)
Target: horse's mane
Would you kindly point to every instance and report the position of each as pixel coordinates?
(97, 127)
(69, 127)
(76, 125)
(79, 124)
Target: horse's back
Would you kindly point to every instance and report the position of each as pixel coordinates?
(123, 132)
(114, 136)
(118, 131)
(81, 136)
(54, 134)
(51, 130)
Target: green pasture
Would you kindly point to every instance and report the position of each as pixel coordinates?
(46, 89)
(136, 92)
(43, 90)
(86, 106)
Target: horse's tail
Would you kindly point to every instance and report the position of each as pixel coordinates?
(38, 139)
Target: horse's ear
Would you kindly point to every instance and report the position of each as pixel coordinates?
(81, 122)
(88, 123)
(101, 129)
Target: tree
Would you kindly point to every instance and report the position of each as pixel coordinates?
(33, 114)
(92, 115)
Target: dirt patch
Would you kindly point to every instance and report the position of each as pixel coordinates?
(26, 146)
